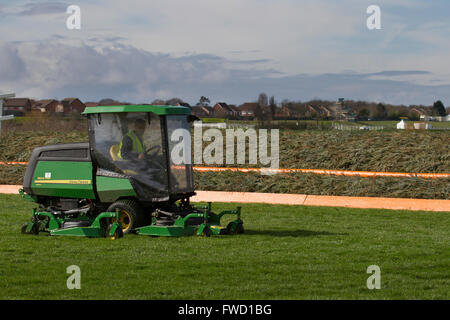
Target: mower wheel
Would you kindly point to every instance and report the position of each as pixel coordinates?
(238, 230)
(24, 228)
(131, 215)
(206, 232)
(34, 229)
(117, 235)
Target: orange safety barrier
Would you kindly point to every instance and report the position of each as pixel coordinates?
(366, 174)
(330, 172)
(12, 162)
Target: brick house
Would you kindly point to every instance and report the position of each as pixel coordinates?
(17, 106)
(72, 105)
(91, 104)
(283, 112)
(202, 111)
(248, 109)
(223, 110)
(47, 105)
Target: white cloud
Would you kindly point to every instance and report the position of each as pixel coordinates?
(92, 71)
(185, 48)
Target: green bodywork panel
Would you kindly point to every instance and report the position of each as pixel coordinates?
(181, 227)
(159, 110)
(48, 222)
(68, 179)
(109, 189)
(178, 229)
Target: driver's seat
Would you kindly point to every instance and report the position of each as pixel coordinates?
(114, 152)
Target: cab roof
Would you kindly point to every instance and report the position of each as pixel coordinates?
(159, 110)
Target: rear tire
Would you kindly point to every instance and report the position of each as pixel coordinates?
(131, 215)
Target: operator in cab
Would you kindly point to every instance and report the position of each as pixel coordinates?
(132, 145)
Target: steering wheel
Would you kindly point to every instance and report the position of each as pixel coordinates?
(157, 148)
(150, 157)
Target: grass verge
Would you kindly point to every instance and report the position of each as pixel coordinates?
(287, 252)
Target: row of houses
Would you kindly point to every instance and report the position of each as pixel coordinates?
(224, 110)
(248, 110)
(425, 114)
(251, 110)
(22, 106)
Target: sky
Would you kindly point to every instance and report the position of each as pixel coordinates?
(139, 51)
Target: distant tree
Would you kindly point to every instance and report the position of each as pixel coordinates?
(394, 115)
(174, 102)
(273, 107)
(107, 101)
(380, 112)
(413, 116)
(263, 101)
(439, 109)
(203, 102)
(158, 102)
(363, 114)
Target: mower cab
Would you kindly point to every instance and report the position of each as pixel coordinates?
(137, 164)
(151, 164)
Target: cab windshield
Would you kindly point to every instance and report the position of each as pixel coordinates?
(131, 144)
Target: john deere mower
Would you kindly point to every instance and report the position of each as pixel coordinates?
(127, 178)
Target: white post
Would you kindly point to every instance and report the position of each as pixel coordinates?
(2, 97)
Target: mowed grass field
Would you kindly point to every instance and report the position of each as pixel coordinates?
(287, 252)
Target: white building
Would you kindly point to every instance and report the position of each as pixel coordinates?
(401, 125)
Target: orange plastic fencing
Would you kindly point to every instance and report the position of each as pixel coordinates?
(12, 162)
(370, 174)
(367, 174)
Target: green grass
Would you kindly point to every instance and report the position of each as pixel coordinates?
(287, 252)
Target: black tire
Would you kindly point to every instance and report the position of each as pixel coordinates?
(206, 232)
(34, 229)
(239, 228)
(24, 228)
(131, 214)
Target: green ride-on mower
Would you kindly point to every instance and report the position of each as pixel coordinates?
(128, 178)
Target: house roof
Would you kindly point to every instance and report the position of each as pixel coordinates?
(226, 106)
(16, 102)
(326, 110)
(43, 103)
(197, 108)
(70, 99)
(159, 110)
(420, 111)
(91, 104)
